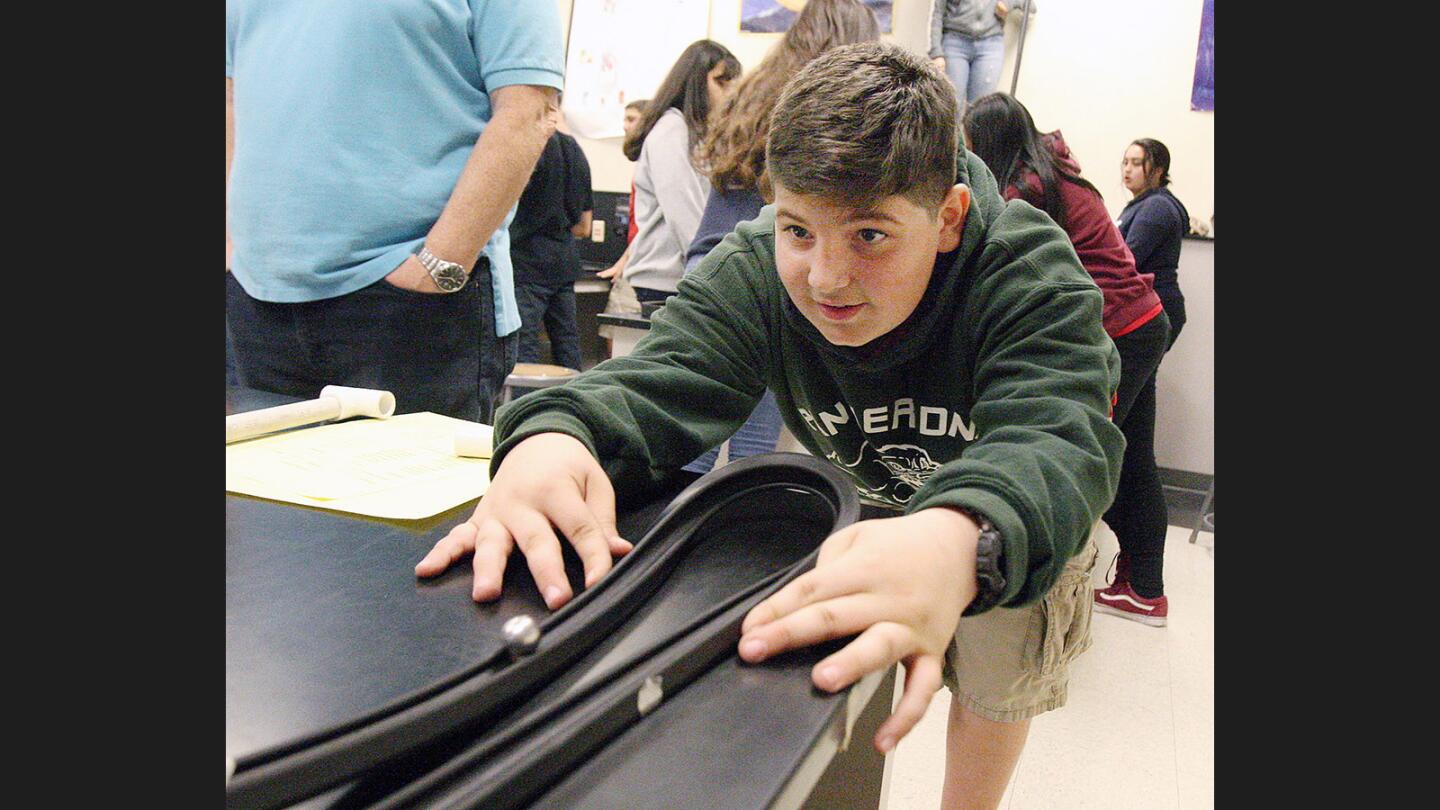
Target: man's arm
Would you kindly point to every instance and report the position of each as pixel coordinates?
(491, 182)
(229, 157)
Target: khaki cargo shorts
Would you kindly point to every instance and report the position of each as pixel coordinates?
(1010, 664)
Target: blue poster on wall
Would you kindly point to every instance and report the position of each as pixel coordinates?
(775, 16)
(1202, 95)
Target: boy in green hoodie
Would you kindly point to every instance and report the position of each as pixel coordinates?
(940, 345)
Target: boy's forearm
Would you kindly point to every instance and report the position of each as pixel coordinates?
(1046, 460)
(687, 386)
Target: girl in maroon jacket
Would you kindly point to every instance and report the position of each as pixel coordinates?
(1038, 168)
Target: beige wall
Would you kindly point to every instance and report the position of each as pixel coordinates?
(1106, 72)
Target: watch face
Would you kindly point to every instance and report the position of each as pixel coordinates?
(450, 277)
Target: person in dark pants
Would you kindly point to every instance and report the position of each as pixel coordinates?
(368, 191)
(555, 208)
(300, 348)
(1038, 168)
(1153, 223)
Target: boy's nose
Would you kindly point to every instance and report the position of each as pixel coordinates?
(828, 273)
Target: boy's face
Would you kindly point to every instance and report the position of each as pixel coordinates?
(857, 274)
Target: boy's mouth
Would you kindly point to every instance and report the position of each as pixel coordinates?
(838, 313)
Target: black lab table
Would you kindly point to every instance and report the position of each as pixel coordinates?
(326, 623)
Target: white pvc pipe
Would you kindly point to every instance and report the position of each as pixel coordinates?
(335, 402)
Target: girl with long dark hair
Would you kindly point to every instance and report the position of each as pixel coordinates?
(670, 190)
(1039, 169)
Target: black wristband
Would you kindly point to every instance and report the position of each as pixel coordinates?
(989, 572)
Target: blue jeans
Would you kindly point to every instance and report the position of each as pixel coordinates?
(758, 435)
(436, 353)
(550, 304)
(230, 376)
(973, 65)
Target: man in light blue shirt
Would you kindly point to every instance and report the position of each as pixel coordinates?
(378, 151)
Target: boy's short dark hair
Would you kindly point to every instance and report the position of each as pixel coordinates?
(863, 122)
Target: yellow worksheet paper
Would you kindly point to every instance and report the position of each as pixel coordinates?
(403, 467)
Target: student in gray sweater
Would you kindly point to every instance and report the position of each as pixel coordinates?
(670, 191)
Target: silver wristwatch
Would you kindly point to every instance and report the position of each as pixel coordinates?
(449, 276)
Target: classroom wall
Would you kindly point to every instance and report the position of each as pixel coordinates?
(1103, 71)
(1185, 386)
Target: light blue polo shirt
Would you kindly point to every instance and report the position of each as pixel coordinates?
(353, 121)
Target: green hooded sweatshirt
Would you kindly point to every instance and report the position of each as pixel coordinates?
(994, 395)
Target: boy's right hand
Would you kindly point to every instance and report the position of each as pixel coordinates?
(549, 478)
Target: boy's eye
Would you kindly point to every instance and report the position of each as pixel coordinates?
(871, 236)
(797, 231)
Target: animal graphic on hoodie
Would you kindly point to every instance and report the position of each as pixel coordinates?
(893, 472)
(907, 466)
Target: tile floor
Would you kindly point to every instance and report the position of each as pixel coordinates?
(1138, 730)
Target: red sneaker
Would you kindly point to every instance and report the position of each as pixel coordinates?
(1121, 600)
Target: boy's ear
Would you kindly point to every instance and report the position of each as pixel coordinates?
(953, 211)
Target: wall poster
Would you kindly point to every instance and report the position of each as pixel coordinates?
(775, 16)
(619, 51)
(1202, 95)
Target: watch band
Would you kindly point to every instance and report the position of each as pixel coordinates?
(989, 570)
(448, 276)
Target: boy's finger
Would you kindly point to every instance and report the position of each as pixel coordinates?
(815, 585)
(884, 644)
(832, 618)
(573, 517)
(600, 497)
(459, 542)
(922, 680)
(492, 553)
(542, 554)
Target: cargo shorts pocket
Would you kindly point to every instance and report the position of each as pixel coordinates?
(1064, 616)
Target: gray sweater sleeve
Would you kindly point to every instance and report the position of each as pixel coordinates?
(937, 26)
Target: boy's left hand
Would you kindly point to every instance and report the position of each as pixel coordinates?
(901, 583)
